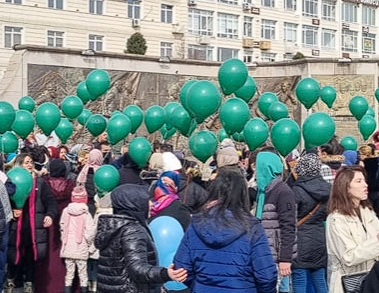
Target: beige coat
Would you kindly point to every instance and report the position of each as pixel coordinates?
(350, 248)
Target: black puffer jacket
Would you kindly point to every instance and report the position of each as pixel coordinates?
(311, 242)
(128, 260)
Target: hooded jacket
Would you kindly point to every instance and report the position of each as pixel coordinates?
(128, 259)
(226, 259)
(278, 208)
(311, 241)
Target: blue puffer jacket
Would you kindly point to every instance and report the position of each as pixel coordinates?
(226, 259)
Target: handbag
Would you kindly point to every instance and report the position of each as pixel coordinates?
(353, 283)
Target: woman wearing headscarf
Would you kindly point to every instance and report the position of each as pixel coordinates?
(130, 171)
(85, 177)
(312, 193)
(166, 201)
(50, 272)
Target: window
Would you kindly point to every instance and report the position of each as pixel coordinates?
(247, 26)
(288, 56)
(328, 10)
(227, 26)
(328, 39)
(268, 29)
(248, 56)
(96, 6)
(349, 40)
(12, 36)
(268, 57)
(56, 4)
(200, 22)
(13, 1)
(95, 42)
(349, 12)
(226, 53)
(368, 43)
(310, 36)
(368, 15)
(134, 9)
(233, 2)
(198, 52)
(248, 1)
(290, 32)
(55, 39)
(166, 13)
(310, 8)
(166, 49)
(290, 5)
(268, 3)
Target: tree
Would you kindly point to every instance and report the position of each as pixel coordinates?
(298, 55)
(136, 44)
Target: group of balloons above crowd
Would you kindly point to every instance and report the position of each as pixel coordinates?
(198, 100)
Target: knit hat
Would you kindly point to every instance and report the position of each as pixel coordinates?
(308, 165)
(79, 195)
(57, 168)
(171, 162)
(227, 155)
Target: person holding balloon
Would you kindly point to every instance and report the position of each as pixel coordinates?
(225, 248)
(28, 238)
(128, 260)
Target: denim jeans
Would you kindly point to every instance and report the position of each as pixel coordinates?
(284, 284)
(3, 255)
(303, 279)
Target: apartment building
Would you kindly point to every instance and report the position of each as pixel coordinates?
(211, 30)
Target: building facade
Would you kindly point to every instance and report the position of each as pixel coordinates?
(211, 30)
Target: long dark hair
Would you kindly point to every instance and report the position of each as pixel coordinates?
(229, 192)
(340, 199)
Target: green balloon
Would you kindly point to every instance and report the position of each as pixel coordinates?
(203, 99)
(181, 120)
(8, 142)
(26, 103)
(370, 111)
(96, 124)
(72, 106)
(221, 135)
(239, 136)
(377, 94)
(48, 117)
(318, 129)
(83, 94)
(232, 75)
(349, 143)
(248, 90)
(367, 126)
(116, 112)
(154, 118)
(358, 106)
(135, 115)
(23, 123)
(265, 101)
(7, 116)
(140, 150)
(277, 110)
(169, 110)
(106, 178)
(234, 114)
(64, 130)
(285, 135)
(184, 93)
(24, 184)
(203, 144)
(83, 117)
(119, 126)
(255, 132)
(308, 91)
(98, 82)
(328, 95)
(192, 128)
(167, 133)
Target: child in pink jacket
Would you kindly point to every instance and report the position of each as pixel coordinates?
(77, 234)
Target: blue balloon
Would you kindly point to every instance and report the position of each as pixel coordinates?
(167, 234)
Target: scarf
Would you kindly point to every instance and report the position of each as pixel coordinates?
(95, 159)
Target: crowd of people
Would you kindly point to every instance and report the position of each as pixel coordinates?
(253, 221)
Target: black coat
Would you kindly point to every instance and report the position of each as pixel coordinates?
(372, 172)
(128, 259)
(311, 241)
(43, 205)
